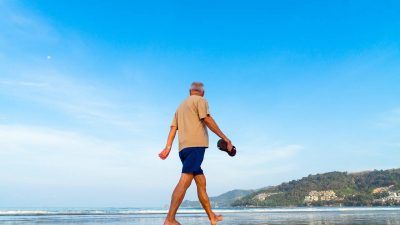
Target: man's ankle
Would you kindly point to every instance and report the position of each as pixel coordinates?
(170, 219)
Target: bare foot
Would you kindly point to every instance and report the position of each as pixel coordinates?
(216, 219)
(174, 222)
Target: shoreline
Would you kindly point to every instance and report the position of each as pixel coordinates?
(183, 211)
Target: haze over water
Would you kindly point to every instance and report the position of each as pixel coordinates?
(125, 216)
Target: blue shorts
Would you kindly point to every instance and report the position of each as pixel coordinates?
(192, 158)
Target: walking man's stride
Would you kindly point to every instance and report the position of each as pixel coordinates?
(191, 120)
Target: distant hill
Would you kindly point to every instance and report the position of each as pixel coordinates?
(224, 200)
(367, 188)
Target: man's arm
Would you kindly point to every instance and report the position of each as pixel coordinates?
(171, 136)
(212, 125)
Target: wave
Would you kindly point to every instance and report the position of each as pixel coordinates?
(136, 211)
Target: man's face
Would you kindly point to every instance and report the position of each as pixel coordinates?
(191, 92)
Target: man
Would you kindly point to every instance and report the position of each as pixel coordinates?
(191, 119)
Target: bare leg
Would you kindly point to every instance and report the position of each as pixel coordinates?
(177, 198)
(204, 200)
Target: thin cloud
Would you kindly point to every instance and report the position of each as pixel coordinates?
(19, 24)
(250, 165)
(389, 119)
(43, 156)
(84, 102)
(40, 159)
(272, 155)
(50, 86)
(51, 157)
(263, 157)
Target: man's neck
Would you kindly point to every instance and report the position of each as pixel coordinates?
(197, 94)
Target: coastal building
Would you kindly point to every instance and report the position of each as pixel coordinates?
(382, 189)
(392, 199)
(315, 196)
(263, 196)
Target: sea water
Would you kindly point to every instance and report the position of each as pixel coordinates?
(234, 216)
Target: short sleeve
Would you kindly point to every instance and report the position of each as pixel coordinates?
(174, 121)
(202, 108)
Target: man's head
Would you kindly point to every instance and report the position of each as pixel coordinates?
(197, 88)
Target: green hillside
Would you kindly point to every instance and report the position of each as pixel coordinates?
(335, 188)
(224, 200)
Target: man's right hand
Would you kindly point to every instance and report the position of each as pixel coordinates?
(229, 144)
(164, 153)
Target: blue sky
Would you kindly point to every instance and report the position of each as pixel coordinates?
(88, 90)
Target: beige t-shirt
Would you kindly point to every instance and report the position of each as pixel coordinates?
(188, 119)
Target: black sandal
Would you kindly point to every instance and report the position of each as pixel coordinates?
(223, 146)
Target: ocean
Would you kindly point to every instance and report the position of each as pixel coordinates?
(233, 216)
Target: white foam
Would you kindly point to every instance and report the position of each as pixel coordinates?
(23, 212)
(135, 211)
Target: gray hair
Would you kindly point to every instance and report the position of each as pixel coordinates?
(197, 86)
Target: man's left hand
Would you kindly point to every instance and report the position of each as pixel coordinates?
(164, 153)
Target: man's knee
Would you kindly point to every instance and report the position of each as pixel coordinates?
(186, 179)
(200, 181)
